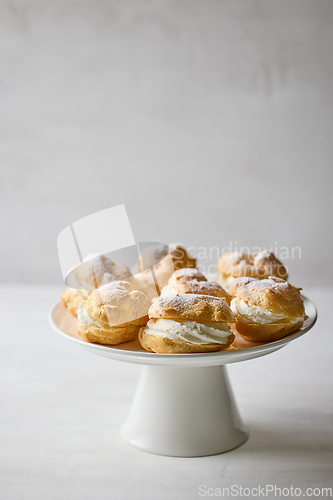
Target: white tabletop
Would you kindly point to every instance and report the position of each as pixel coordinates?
(64, 407)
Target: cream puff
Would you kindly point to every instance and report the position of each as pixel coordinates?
(112, 314)
(192, 281)
(180, 257)
(187, 324)
(72, 298)
(92, 274)
(266, 310)
(154, 255)
(157, 266)
(255, 265)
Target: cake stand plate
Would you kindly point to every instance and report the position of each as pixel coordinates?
(184, 404)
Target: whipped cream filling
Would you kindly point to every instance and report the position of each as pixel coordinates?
(190, 331)
(83, 316)
(168, 290)
(258, 314)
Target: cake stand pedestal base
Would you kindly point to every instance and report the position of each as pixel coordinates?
(184, 412)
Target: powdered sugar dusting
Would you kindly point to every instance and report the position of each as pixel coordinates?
(182, 304)
(277, 284)
(189, 272)
(108, 291)
(101, 270)
(258, 265)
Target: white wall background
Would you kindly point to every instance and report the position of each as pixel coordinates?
(212, 120)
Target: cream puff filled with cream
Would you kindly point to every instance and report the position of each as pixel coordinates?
(113, 314)
(93, 273)
(187, 324)
(254, 265)
(163, 264)
(266, 310)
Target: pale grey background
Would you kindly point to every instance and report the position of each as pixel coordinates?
(211, 120)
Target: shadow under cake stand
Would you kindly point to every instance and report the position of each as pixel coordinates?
(184, 404)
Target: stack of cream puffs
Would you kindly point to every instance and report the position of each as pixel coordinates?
(266, 310)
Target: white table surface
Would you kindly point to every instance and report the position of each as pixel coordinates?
(63, 408)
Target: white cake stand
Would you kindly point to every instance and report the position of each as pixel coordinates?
(184, 404)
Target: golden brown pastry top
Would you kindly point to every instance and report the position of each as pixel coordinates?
(116, 303)
(159, 256)
(177, 258)
(151, 256)
(186, 274)
(101, 270)
(255, 265)
(200, 308)
(203, 288)
(274, 294)
(189, 280)
(180, 257)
